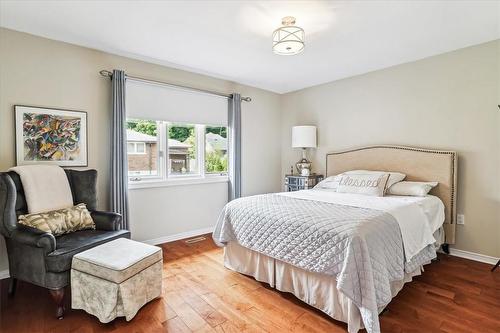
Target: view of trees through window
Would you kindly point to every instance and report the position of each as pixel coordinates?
(216, 149)
(142, 126)
(183, 154)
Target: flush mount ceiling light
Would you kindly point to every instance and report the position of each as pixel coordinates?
(288, 39)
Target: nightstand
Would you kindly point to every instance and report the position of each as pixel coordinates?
(298, 182)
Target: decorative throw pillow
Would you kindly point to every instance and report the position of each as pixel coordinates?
(394, 177)
(60, 221)
(332, 182)
(417, 189)
(367, 184)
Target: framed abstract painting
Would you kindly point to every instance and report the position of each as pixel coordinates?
(53, 136)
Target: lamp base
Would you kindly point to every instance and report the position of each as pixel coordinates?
(305, 165)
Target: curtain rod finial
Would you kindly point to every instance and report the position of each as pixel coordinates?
(106, 73)
(246, 99)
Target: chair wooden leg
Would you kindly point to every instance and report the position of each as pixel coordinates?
(58, 297)
(12, 287)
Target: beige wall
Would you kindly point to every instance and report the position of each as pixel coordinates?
(43, 72)
(445, 102)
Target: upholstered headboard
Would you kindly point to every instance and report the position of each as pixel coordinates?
(417, 163)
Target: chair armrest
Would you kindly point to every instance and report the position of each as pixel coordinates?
(34, 237)
(108, 221)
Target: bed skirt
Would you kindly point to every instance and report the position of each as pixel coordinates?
(315, 289)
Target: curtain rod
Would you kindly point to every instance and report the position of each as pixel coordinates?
(109, 74)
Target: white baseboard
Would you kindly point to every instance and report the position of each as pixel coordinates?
(473, 256)
(4, 274)
(182, 235)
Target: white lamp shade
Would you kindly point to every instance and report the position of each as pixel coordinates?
(304, 137)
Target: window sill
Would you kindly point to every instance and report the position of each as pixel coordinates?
(177, 182)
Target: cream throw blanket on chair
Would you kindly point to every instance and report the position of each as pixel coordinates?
(46, 187)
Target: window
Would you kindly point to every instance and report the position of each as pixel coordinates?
(216, 150)
(162, 152)
(182, 150)
(142, 148)
(136, 148)
(185, 131)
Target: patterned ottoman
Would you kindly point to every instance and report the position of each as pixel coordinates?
(116, 279)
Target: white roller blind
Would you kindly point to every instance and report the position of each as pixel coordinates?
(156, 102)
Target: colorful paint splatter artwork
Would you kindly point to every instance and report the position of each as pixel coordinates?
(51, 137)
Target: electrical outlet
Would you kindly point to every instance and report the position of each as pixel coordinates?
(461, 219)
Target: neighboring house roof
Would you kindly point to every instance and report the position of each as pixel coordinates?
(172, 143)
(139, 137)
(134, 136)
(215, 142)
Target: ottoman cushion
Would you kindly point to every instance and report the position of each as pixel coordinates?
(117, 260)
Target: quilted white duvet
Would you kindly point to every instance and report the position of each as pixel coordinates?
(361, 247)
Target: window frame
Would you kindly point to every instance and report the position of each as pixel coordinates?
(135, 152)
(164, 178)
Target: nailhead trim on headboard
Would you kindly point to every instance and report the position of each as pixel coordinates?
(424, 150)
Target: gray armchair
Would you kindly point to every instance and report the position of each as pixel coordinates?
(40, 258)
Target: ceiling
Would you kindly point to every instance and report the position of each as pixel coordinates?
(232, 39)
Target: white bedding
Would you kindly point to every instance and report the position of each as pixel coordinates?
(418, 217)
(356, 239)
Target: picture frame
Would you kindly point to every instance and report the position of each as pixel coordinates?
(50, 136)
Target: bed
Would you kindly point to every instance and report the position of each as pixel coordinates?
(346, 255)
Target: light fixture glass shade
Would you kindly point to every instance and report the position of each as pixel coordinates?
(288, 39)
(304, 137)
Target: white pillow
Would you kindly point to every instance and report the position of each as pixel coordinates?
(418, 189)
(329, 183)
(394, 177)
(367, 184)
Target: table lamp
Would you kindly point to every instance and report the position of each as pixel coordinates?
(304, 137)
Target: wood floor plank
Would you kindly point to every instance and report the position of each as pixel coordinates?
(227, 327)
(314, 323)
(446, 309)
(176, 325)
(230, 311)
(211, 315)
(453, 295)
(282, 316)
(265, 322)
(184, 311)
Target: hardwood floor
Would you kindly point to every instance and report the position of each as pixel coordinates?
(200, 295)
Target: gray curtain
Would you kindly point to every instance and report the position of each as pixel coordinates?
(119, 170)
(234, 125)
